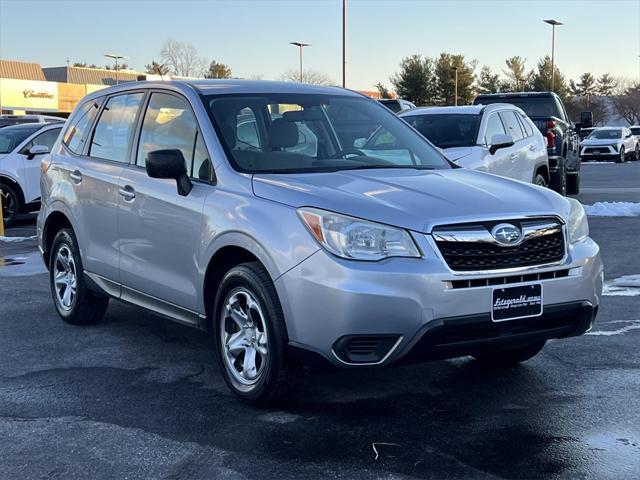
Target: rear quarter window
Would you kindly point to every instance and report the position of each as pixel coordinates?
(77, 132)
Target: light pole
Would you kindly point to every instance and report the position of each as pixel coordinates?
(301, 46)
(116, 58)
(455, 98)
(553, 24)
(344, 43)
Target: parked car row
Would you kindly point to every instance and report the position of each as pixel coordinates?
(311, 226)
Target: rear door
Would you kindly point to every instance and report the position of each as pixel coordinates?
(93, 172)
(159, 230)
(32, 165)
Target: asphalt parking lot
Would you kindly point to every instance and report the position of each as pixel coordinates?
(140, 397)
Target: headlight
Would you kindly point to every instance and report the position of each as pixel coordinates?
(577, 225)
(356, 239)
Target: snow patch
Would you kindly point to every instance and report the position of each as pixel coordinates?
(625, 286)
(279, 417)
(17, 239)
(613, 209)
(632, 325)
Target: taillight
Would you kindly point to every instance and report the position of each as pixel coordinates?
(551, 124)
(551, 139)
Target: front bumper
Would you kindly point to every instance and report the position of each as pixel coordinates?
(404, 301)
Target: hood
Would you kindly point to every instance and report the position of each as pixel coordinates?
(456, 153)
(597, 141)
(412, 199)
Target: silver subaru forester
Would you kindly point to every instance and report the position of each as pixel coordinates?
(244, 208)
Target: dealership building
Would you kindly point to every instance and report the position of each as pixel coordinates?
(28, 88)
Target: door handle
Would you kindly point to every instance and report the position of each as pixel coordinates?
(532, 147)
(513, 156)
(76, 176)
(127, 192)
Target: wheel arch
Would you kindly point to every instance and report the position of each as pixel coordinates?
(542, 169)
(13, 183)
(234, 249)
(56, 221)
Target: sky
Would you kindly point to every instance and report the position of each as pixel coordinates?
(253, 36)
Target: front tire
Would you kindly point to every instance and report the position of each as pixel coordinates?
(508, 357)
(621, 158)
(10, 205)
(251, 337)
(573, 183)
(74, 302)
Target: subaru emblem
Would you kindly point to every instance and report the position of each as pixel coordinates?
(506, 234)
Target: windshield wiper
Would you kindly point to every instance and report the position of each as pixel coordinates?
(368, 167)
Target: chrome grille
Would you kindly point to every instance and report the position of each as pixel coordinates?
(471, 247)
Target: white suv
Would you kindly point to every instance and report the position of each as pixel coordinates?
(21, 149)
(497, 138)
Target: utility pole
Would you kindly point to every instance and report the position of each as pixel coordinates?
(455, 98)
(553, 24)
(344, 43)
(300, 45)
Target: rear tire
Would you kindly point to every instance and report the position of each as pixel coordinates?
(509, 356)
(10, 205)
(559, 179)
(636, 157)
(573, 183)
(74, 302)
(251, 336)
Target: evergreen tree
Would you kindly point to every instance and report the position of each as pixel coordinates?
(445, 73)
(488, 82)
(606, 84)
(541, 78)
(415, 81)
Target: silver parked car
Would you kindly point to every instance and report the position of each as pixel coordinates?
(293, 256)
(497, 138)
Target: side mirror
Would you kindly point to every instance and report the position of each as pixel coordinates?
(586, 119)
(36, 150)
(359, 142)
(500, 141)
(169, 164)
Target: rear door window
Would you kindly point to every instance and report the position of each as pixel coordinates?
(512, 124)
(115, 127)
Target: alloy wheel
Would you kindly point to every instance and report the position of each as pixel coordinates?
(244, 337)
(8, 204)
(65, 278)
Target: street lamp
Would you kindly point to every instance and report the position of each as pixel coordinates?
(301, 46)
(553, 24)
(116, 58)
(344, 43)
(455, 98)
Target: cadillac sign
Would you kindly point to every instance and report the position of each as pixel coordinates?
(34, 94)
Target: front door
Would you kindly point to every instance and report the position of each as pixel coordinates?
(160, 230)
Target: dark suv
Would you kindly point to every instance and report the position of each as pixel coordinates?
(550, 116)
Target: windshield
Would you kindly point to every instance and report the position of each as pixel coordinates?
(533, 106)
(447, 130)
(295, 133)
(609, 134)
(11, 137)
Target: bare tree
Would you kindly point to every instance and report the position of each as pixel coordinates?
(310, 76)
(628, 104)
(182, 59)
